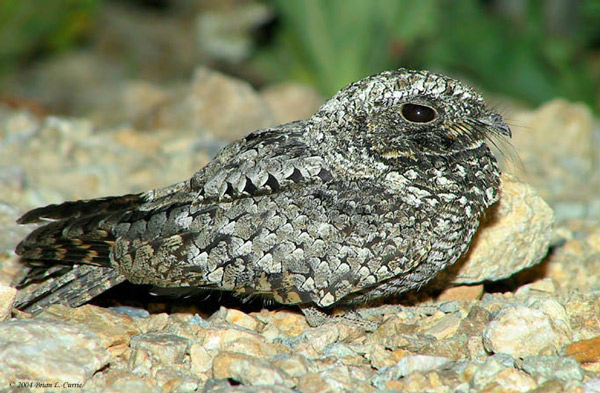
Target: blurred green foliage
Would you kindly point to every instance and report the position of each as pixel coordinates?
(332, 42)
(31, 27)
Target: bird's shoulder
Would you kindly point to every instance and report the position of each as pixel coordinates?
(266, 161)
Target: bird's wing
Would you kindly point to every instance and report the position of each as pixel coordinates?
(309, 244)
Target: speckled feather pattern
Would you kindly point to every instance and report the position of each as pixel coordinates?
(356, 203)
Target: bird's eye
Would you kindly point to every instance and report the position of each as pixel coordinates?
(416, 113)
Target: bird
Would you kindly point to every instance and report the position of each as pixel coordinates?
(380, 190)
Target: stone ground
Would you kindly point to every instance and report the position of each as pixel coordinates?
(520, 313)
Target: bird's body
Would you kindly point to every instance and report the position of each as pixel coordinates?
(375, 194)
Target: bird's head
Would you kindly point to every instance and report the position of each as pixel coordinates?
(406, 113)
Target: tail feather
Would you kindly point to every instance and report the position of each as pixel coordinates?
(83, 208)
(77, 286)
(68, 260)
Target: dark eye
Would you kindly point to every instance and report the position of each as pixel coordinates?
(418, 113)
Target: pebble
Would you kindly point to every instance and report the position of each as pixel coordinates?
(521, 331)
(249, 370)
(552, 367)
(47, 351)
(7, 299)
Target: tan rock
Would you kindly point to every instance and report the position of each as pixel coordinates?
(291, 101)
(463, 292)
(112, 328)
(522, 331)
(249, 370)
(44, 350)
(557, 146)
(229, 108)
(7, 299)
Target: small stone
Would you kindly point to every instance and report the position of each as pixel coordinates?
(112, 328)
(585, 351)
(523, 331)
(314, 383)
(411, 363)
(463, 292)
(444, 327)
(249, 370)
(201, 359)
(241, 319)
(513, 380)
(229, 108)
(7, 299)
(551, 386)
(322, 336)
(381, 357)
(154, 322)
(163, 348)
(220, 338)
(545, 285)
(283, 325)
(253, 346)
(123, 381)
(592, 386)
(293, 365)
(291, 101)
(475, 321)
(45, 350)
(552, 367)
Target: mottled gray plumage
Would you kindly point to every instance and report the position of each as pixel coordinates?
(375, 194)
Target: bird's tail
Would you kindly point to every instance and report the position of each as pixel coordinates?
(68, 259)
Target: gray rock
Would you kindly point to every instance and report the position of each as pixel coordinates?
(48, 351)
(406, 366)
(163, 348)
(552, 367)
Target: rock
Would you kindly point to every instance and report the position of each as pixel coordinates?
(322, 336)
(444, 327)
(514, 236)
(113, 329)
(249, 370)
(409, 364)
(552, 367)
(293, 365)
(291, 101)
(565, 171)
(201, 359)
(585, 351)
(162, 348)
(7, 299)
(227, 107)
(511, 380)
(46, 351)
(12, 233)
(468, 292)
(579, 252)
(522, 331)
(475, 322)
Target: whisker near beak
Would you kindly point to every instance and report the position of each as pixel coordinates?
(495, 123)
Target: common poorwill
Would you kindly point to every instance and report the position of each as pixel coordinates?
(372, 196)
